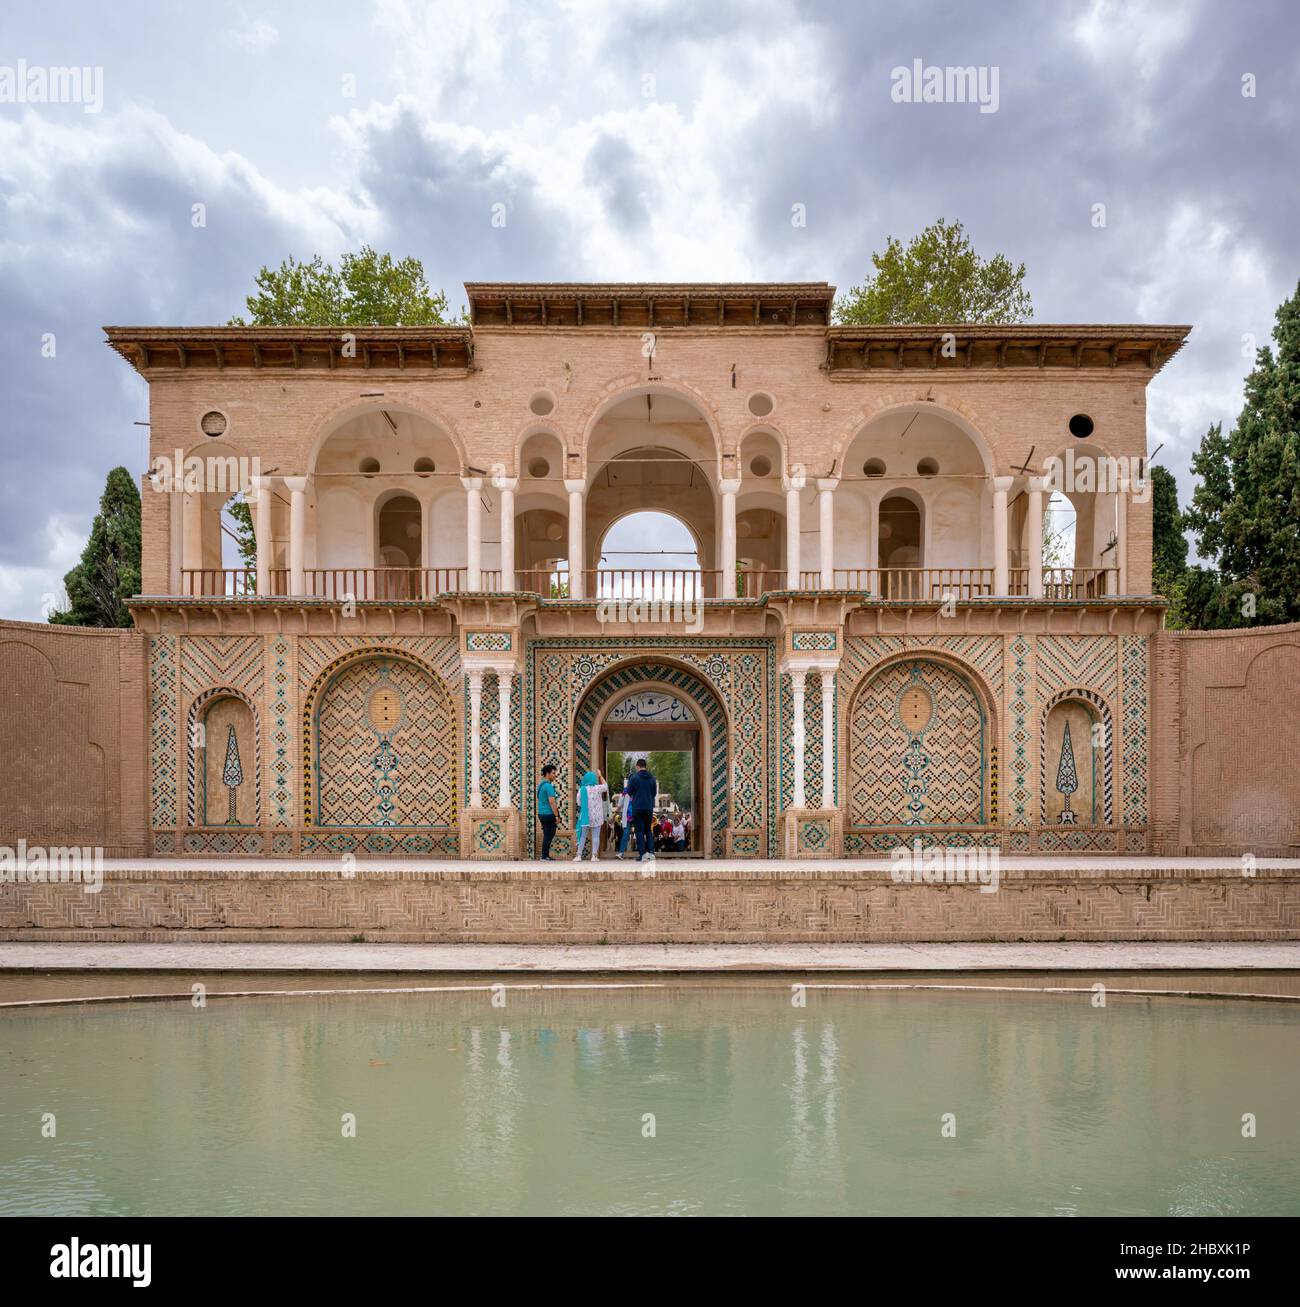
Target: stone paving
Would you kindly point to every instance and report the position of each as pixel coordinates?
(460, 958)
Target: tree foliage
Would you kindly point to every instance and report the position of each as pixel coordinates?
(109, 571)
(366, 289)
(938, 277)
(1245, 512)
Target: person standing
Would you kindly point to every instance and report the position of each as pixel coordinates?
(591, 815)
(546, 814)
(625, 820)
(642, 789)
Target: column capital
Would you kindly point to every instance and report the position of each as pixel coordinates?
(794, 483)
(505, 483)
(1036, 485)
(298, 484)
(729, 486)
(827, 484)
(472, 483)
(575, 487)
(1002, 484)
(474, 675)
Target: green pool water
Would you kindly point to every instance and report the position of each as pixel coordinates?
(666, 1101)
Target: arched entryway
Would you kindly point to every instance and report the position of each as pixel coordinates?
(692, 721)
(383, 747)
(921, 751)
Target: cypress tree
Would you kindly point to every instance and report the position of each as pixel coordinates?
(109, 571)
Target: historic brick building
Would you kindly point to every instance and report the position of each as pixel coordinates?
(865, 647)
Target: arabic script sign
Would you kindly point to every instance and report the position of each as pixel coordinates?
(649, 706)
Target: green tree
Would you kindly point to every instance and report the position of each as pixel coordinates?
(1246, 510)
(109, 571)
(1168, 543)
(938, 277)
(366, 289)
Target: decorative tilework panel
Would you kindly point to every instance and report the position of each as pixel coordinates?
(814, 641)
(1133, 654)
(233, 660)
(488, 641)
(163, 730)
(917, 749)
(1019, 754)
(282, 732)
(385, 746)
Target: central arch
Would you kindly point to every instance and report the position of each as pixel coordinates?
(629, 677)
(921, 748)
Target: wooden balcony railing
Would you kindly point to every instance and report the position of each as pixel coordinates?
(666, 585)
(661, 584)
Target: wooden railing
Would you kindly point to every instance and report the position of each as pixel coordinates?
(662, 584)
(219, 582)
(935, 584)
(1080, 582)
(666, 585)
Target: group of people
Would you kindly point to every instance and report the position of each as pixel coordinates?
(631, 809)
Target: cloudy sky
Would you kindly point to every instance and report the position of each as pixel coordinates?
(652, 140)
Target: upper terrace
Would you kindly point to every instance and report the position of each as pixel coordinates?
(900, 464)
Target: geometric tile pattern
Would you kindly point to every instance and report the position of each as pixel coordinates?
(917, 748)
(1100, 709)
(438, 652)
(983, 652)
(282, 733)
(489, 742)
(1063, 661)
(232, 660)
(488, 641)
(163, 722)
(1019, 758)
(1133, 653)
(384, 736)
(813, 726)
(813, 641)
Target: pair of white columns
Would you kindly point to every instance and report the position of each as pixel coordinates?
(793, 487)
(1034, 490)
(798, 687)
(506, 487)
(505, 682)
(297, 487)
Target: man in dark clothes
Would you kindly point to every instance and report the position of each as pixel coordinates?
(642, 790)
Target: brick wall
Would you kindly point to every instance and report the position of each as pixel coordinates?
(72, 737)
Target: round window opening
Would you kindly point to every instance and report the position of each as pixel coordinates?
(1081, 426)
(541, 404)
(927, 467)
(874, 467)
(539, 468)
(424, 466)
(760, 465)
(213, 424)
(760, 405)
(368, 466)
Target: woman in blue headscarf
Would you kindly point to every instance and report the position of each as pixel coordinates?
(591, 813)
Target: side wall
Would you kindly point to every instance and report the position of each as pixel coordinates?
(73, 724)
(1227, 748)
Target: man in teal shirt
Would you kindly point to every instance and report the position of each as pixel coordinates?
(546, 814)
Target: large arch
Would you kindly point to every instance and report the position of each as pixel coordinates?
(922, 745)
(380, 744)
(631, 387)
(638, 673)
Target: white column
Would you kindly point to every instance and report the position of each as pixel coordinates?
(264, 499)
(475, 679)
(828, 738)
(729, 490)
(1034, 486)
(1001, 577)
(297, 487)
(504, 682)
(793, 486)
(506, 485)
(473, 532)
(176, 538)
(797, 678)
(1121, 539)
(577, 536)
(826, 529)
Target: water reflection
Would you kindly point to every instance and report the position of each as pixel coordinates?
(542, 1106)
